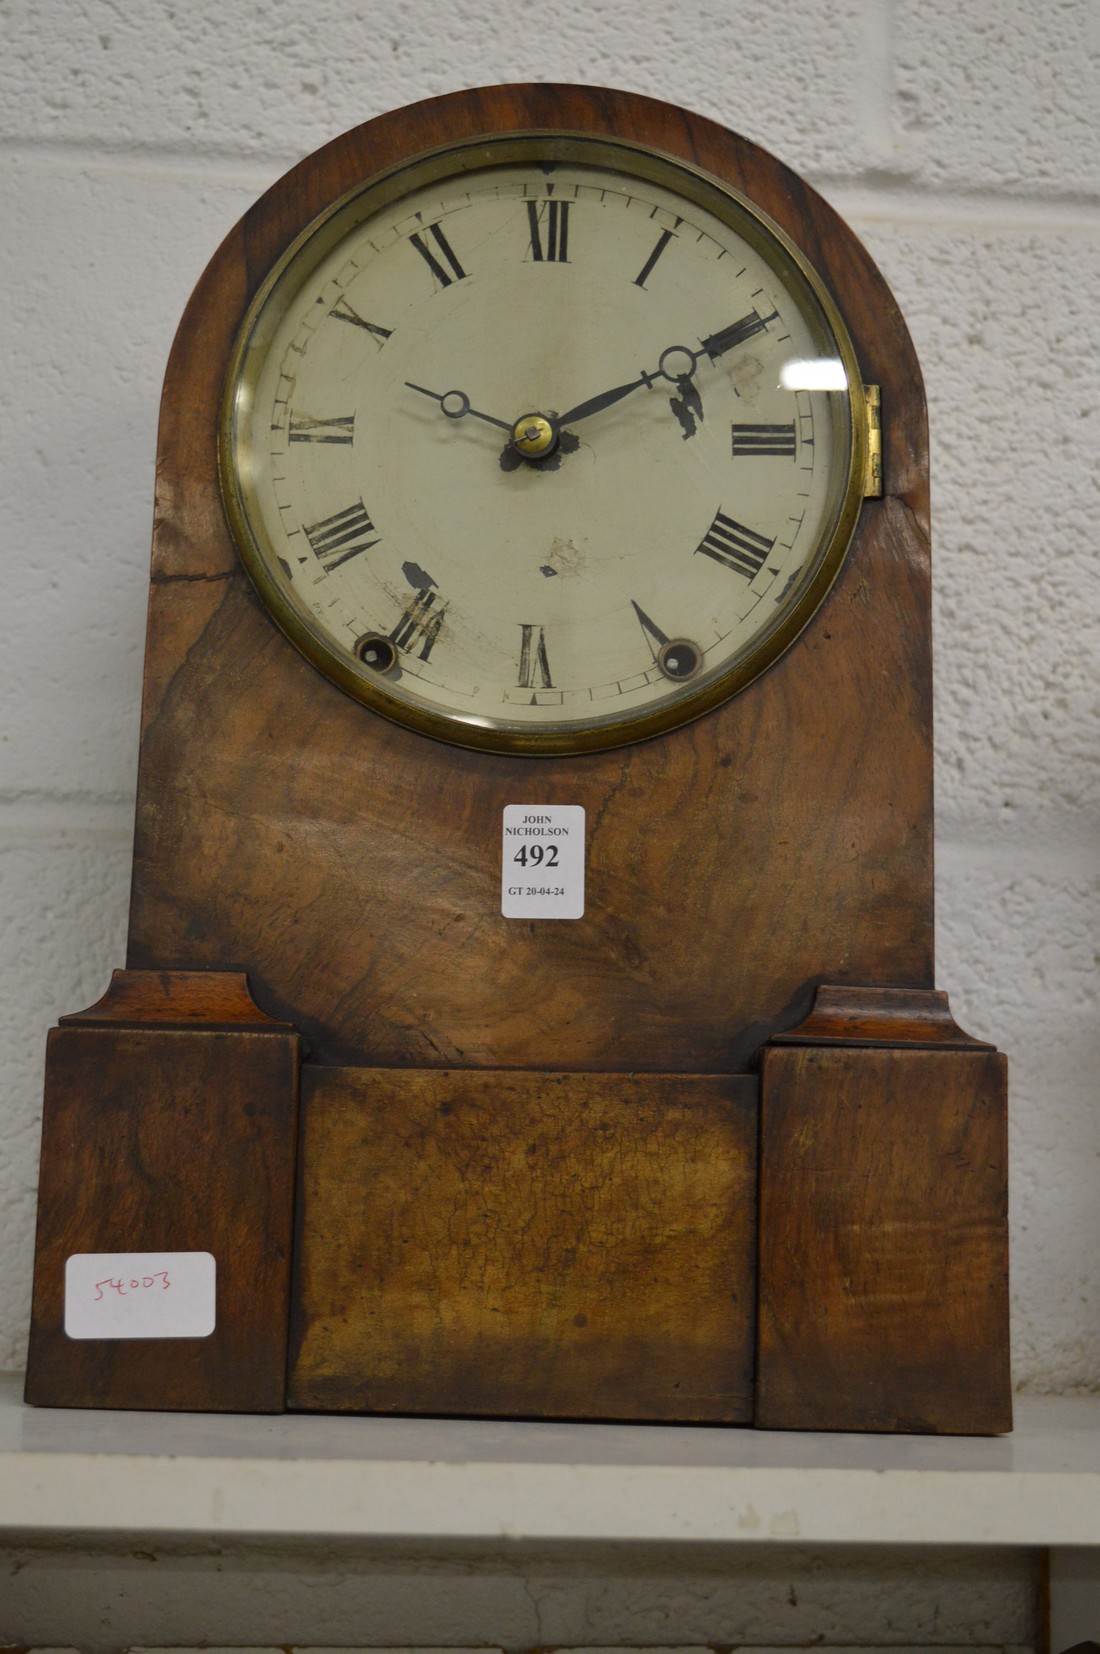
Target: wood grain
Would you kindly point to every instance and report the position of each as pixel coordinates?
(783, 840)
(910, 1017)
(533, 1190)
(883, 1241)
(555, 1245)
(177, 999)
(168, 1140)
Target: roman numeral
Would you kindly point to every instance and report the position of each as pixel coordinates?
(341, 537)
(553, 217)
(728, 337)
(422, 622)
(735, 546)
(533, 662)
(342, 311)
(437, 270)
(654, 635)
(647, 268)
(774, 441)
(304, 428)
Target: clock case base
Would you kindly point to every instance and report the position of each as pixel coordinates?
(169, 1125)
(781, 842)
(551, 1245)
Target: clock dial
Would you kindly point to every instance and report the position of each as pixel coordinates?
(543, 445)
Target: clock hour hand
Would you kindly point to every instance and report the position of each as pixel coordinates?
(456, 405)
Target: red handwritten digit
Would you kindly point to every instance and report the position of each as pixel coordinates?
(164, 1277)
(98, 1294)
(148, 1280)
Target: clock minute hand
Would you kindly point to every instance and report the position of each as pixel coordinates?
(460, 406)
(676, 364)
(727, 337)
(605, 399)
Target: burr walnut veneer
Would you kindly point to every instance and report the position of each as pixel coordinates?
(715, 1152)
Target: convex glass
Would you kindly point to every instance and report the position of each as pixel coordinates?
(543, 444)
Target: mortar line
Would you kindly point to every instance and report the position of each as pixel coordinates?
(1059, 852)
(900, 202)
(152, 161)
(873, 194)
(878, 76)
(68, 817)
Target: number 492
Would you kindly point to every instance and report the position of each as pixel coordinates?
(537, 855)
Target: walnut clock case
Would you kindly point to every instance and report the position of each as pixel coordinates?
(522, 448)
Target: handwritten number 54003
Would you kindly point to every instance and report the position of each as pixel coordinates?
(141, 1283)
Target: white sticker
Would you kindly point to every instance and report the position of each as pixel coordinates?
(542, 866)
(139, 1295)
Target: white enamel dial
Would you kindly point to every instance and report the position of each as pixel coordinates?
(542, 454)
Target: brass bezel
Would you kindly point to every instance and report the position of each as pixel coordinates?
(309, 248)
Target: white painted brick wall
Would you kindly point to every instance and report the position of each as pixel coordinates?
(958, 139)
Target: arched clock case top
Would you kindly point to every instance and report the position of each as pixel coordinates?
(531, 1158)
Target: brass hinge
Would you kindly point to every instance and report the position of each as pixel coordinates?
(872, 476)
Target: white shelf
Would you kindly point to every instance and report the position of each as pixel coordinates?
(448, 1479)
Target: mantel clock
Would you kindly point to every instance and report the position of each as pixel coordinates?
(529, 1005)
